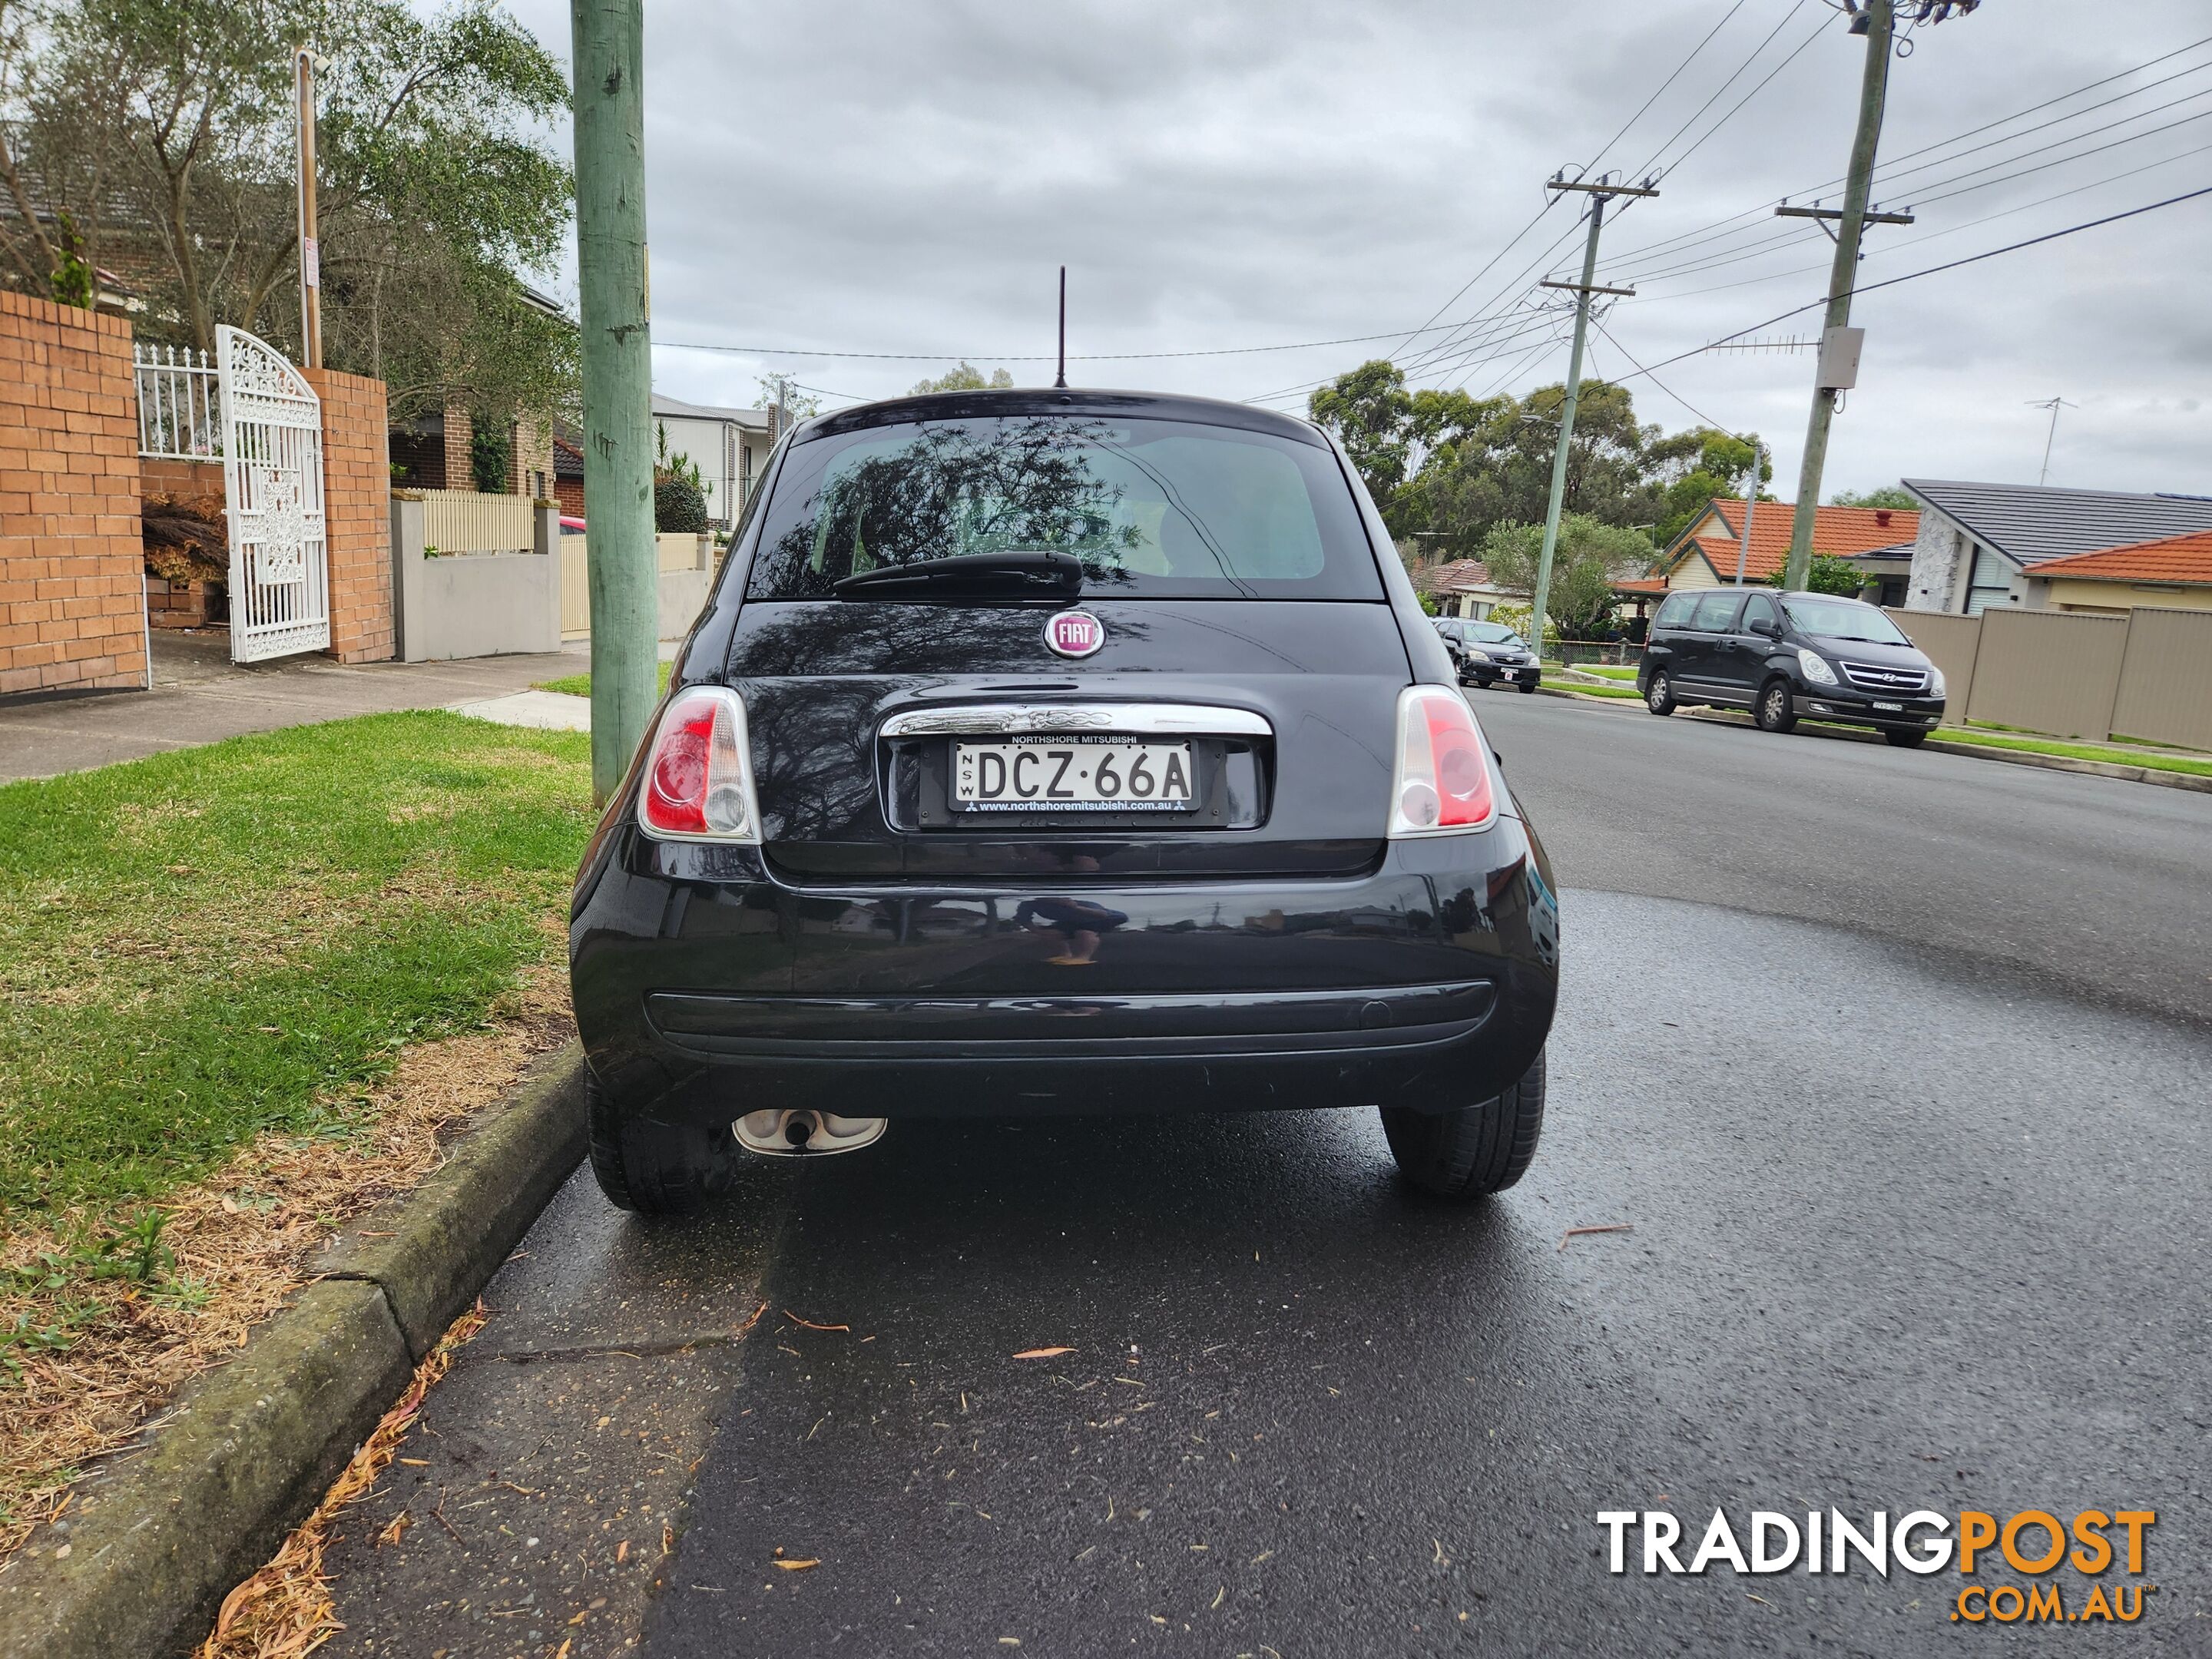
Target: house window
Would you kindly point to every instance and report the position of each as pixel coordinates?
(1990, 582)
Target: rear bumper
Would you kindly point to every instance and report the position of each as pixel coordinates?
(1428, 983)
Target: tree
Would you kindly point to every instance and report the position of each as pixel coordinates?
(1723, 467)
(966, 378)
(1448, 466)
(1590, 556)
(1829, 574)
(162, 129)
(1888, 495)
(782, 389)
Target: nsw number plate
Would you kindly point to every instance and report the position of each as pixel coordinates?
(1072, 774)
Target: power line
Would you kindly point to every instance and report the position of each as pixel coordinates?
(1765, 82)
(1666, 83)
(1954, 265)
(1794, 238)
(1889, 171)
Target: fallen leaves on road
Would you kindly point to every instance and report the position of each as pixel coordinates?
(798, 1565)
(1610, 1227)
(285, 1609)
(1042, 1353)
(811, 1325)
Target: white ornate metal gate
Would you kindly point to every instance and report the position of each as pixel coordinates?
(272, 479)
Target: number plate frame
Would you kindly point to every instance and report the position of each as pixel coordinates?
(969, 763)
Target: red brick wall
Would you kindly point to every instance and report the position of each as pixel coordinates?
(356, 514)
(184, 480)
(72, 609)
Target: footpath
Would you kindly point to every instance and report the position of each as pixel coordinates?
(200, 696)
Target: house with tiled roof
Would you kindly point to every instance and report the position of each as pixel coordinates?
(2174, 572)
(1463, 587)
(1977, 541)
(1879, 540)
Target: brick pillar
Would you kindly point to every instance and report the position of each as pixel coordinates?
(72, 565)
(358, 513)
(458, 474)
(530, 460)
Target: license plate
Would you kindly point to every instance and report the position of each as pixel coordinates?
(1891, 707)
(1072, 774)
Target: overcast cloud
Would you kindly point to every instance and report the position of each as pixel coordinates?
(906, 176)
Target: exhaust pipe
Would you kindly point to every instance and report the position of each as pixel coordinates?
(798, 1133)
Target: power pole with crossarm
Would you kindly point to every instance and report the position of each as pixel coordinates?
(1839, 342)
(1601, 191)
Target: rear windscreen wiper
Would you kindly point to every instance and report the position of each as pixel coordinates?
(1019, 573)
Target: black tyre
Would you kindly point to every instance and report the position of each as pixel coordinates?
(1528, 688)
(1772, 712)
(1905, 739)
(1478, 1149)
(1659, 692)
(652, 1168)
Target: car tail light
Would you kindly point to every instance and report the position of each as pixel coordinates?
(1442, 782)
(698, 783)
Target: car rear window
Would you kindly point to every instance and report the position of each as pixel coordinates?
(1675, 611)
(1152, 508)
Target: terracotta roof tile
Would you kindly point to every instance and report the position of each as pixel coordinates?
(2170, 559)
(1840, 532)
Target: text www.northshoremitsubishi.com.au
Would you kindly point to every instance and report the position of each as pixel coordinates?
(2034, 1543)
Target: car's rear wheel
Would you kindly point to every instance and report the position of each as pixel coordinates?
(1478, 1149)
(1773, 712)
(654, 1168)
(1906, 739)
(1659, 692)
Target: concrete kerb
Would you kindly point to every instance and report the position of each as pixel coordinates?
(163, 1530)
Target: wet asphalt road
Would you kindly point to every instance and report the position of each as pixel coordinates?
(1916, 1187)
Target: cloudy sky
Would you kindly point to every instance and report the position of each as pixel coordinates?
(854, 177)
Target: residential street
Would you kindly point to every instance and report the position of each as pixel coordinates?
(1896, 1206)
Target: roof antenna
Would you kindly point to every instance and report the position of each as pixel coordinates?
(1061, 380)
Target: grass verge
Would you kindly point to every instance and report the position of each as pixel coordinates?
(2149, 760)
(579, 685)
(243, 990)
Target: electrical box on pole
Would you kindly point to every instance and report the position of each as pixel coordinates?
(1839, 358)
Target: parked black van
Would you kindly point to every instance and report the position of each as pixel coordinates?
(1049, 751)
(1788, 656)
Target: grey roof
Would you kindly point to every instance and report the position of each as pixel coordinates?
(678, 410)
(2030, 523)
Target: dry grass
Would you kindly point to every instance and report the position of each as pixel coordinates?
(285, 1611)
(243, 1239)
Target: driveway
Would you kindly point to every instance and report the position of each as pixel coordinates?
(1893, 1063)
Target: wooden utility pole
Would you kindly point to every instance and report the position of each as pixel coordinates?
(1879, 18)
(310, 252)
(608, 45)
(1600, 191)
(1750, 501)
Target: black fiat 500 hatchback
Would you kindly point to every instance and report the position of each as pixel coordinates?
(1788, 655)
(1045, 752)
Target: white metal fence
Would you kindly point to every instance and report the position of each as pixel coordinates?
(179, 404)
